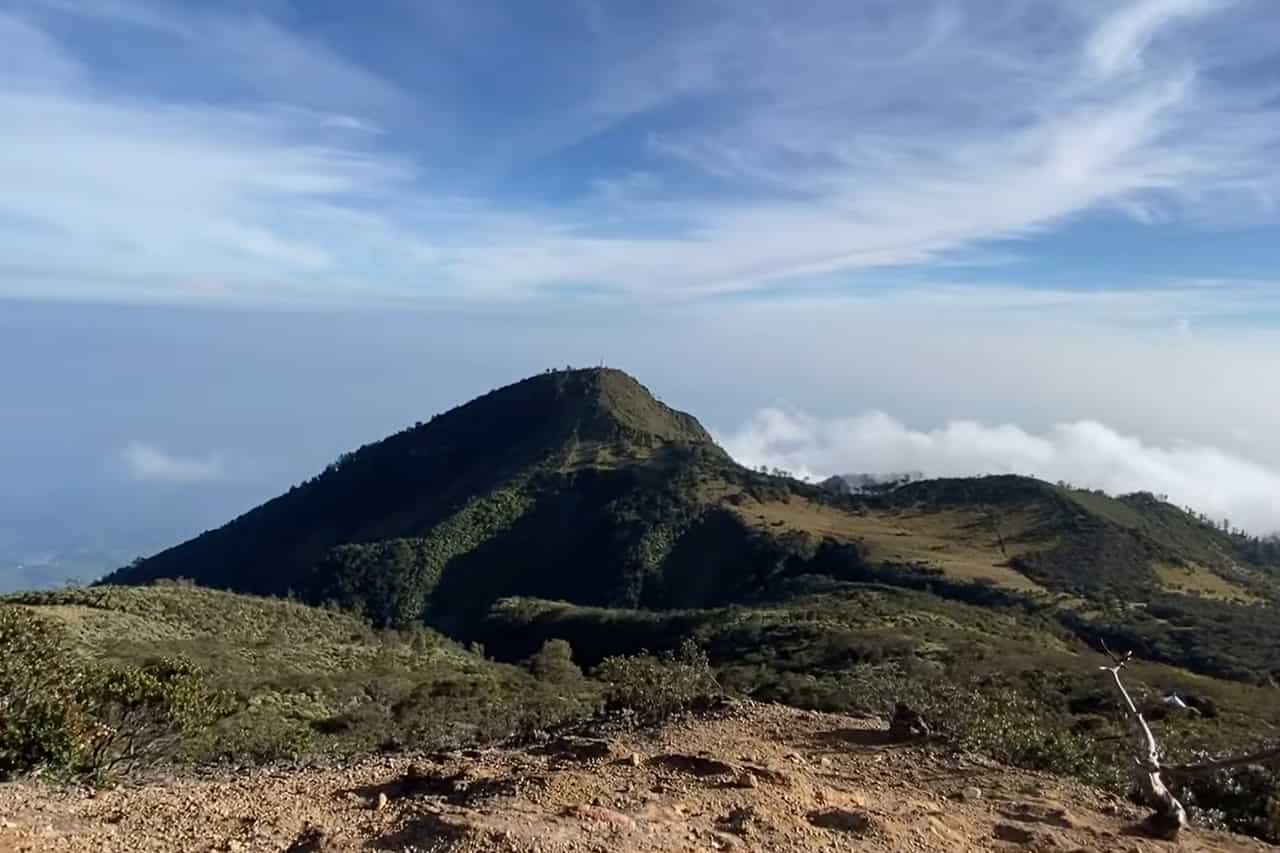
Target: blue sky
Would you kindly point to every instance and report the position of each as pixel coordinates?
(1015, 213)
(447, 152)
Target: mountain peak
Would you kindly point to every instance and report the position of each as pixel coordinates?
(598, 404)
(536, 457)
(629, 408)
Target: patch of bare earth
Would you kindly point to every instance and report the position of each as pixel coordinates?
(755, 778)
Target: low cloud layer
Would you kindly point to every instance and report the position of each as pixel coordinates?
(149, 464)
(1085, 453)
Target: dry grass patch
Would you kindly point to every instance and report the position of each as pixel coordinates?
(1195, 579)
(964, 544)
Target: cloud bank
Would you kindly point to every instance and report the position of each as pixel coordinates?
(1084, 453)
(146, 463)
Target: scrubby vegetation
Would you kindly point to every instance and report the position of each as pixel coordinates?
(61, 714)
(298, 680)
(656, 687)
(301, 680)
(571, 523)
(1004, 679)
(578, 485)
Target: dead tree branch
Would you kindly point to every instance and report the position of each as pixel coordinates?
(1271, 753)
(1170, 817)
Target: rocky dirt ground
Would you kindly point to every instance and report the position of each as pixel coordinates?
(753, 778)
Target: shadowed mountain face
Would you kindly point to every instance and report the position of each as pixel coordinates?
(577, 484)
(580, 486)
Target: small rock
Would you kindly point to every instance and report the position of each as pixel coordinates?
(634, 759)
(907, 724)
(971, 793)
(841, 820)
(739, 821)
(747, 779)
(1039, 813)
(694, 765)
(582, 748)
(381, 802)
(824, 761)
(724, 841)
(1015, 834)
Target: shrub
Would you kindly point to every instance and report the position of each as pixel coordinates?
(1240, 799)
(40, 723)
(654, 688)
(139, 714)
(57, 714)
(554, 662)
(478, 708)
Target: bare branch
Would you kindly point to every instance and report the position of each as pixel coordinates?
(1170, 816)
(1118, 660)
(1269, 754)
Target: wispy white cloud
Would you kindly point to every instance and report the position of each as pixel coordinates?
(780, 146)
(1085, 453)
(1118, 43)
(256, 57)
(150, 464)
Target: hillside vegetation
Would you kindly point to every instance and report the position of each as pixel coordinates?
(302, 680)
(573, 506)
(998, 679)
(579, 485)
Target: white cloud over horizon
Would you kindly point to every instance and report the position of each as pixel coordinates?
(1085, 453)
(146, 463)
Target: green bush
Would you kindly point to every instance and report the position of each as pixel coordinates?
(478, 708)
(554, 662)
(41, 723)
(1241, 799)
(654, 688)
(57, 714)
(139, 714)
(257, 734)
